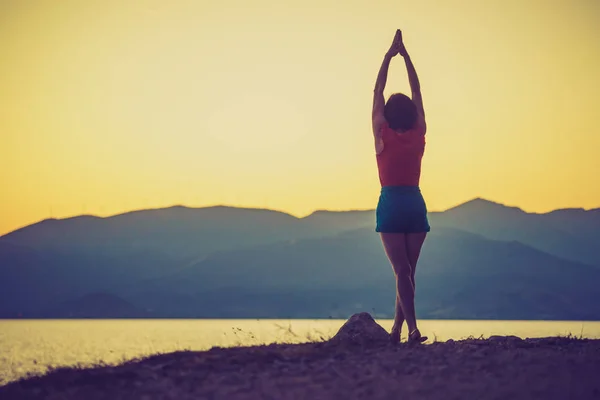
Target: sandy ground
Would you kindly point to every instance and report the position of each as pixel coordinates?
(496, 368)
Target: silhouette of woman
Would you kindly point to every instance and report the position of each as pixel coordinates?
(399, 130)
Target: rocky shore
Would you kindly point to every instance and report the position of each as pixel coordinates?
(357, 363)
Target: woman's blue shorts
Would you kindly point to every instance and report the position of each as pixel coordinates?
(401, 209)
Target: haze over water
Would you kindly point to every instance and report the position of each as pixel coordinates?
(33, 345)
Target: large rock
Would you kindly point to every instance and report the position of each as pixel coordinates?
(361, 329)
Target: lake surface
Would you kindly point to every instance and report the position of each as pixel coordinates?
(31, 346)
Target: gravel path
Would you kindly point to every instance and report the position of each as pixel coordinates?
(495, 368)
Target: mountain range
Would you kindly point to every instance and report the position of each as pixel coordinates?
(482, 260)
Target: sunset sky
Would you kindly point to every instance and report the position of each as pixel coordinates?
(109, 106)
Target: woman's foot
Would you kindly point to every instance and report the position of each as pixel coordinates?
(415, 337)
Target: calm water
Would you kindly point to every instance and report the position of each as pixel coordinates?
(32, 346)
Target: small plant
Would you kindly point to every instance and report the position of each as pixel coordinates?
(317, 336)
(242, 337)
(288, 330)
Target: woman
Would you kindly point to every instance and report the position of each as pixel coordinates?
(399, 129)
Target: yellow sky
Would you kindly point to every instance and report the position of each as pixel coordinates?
(109, 106)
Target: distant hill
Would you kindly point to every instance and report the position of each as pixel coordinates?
(572, 233)
(178, 231)
(481, 260)
(189, 234)
(332, 222)
(95, 305)
(460, 275)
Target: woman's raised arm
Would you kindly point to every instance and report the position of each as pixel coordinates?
(378, 99)
(413, 79)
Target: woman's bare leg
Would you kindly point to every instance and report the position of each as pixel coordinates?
(396, 250)
(399, 317)
(398, 321)
(414, 243)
